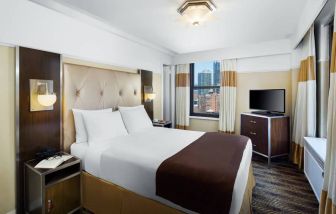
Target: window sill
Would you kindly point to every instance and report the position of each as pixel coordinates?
(204, 118)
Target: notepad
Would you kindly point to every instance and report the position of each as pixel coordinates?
(66, 157)
(52, 163)
(49, 164)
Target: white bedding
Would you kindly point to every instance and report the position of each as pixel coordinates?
(132, 161)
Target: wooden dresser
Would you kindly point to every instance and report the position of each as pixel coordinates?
(269, 134)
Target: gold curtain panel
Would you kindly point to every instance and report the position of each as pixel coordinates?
(307, 69)
(229, 78)
(297, 155)
(333, 55)
(182, 80)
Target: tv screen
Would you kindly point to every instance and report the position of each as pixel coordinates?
(272, 100)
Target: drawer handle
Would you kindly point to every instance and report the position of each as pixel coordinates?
(253, 121)
(253, 133)
(254, 145)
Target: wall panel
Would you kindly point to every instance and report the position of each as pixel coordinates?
(42, 129)
(7, 139)
(157, 88)
(147, 80)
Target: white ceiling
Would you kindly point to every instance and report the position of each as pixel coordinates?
(234, 23)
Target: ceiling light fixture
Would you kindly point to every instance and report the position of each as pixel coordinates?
(196, 11)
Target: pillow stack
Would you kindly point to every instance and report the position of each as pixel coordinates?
(95, 126)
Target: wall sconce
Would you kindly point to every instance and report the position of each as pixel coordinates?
(42, 97)
(149, 95)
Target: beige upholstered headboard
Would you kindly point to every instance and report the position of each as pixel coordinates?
(94, 88)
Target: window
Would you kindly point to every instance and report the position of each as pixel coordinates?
(204, 89)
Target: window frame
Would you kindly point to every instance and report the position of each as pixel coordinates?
(192, 88)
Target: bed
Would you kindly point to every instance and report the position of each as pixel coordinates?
(121, 177)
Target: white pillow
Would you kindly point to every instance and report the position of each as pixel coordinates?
(102, 126)
(135, 118)
(81, 135)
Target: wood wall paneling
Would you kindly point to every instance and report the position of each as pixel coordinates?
(42, 129)
(280, 136)
(147, 80)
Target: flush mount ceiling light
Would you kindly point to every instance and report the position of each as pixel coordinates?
(196, 11)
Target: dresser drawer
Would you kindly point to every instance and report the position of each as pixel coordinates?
(254, 123)
(254, 139)
(256, 128)
(259, 141)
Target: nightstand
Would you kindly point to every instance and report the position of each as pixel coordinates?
(53, 190)
(164, 124)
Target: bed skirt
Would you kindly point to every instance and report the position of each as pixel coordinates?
(100, 196)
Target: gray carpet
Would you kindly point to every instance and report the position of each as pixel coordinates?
(282, 188)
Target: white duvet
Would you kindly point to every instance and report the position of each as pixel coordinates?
(132, 161)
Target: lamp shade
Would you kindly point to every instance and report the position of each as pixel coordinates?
(196, 11)
(149, 97)
(46, 99)
(197, 14)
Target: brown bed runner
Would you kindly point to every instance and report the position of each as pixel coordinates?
(201, 176)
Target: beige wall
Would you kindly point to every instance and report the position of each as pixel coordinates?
(261, 80)
(245, 82)
(97, 65)
(7, 140)
(203, 125)
(157, 88)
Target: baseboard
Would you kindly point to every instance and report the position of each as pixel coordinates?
(12, 212)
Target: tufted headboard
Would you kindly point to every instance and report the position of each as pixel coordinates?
(94, 88)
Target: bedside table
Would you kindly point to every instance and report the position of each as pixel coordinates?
(165, 124)
(53, 190)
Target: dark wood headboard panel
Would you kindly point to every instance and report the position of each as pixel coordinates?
(37, 130)
(147, 80)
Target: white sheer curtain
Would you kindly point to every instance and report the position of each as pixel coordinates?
(228, 93)
(304, 123)
(328, 197)
(169, 93)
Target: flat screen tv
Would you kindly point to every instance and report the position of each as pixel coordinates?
(269, 101)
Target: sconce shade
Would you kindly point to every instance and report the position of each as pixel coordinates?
(42, 96)
(150, 96)
(46, 99)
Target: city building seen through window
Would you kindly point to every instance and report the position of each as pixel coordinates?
(204, 89)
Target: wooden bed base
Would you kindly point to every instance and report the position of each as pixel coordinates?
(100, 196)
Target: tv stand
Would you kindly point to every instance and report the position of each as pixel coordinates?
(267, 113)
